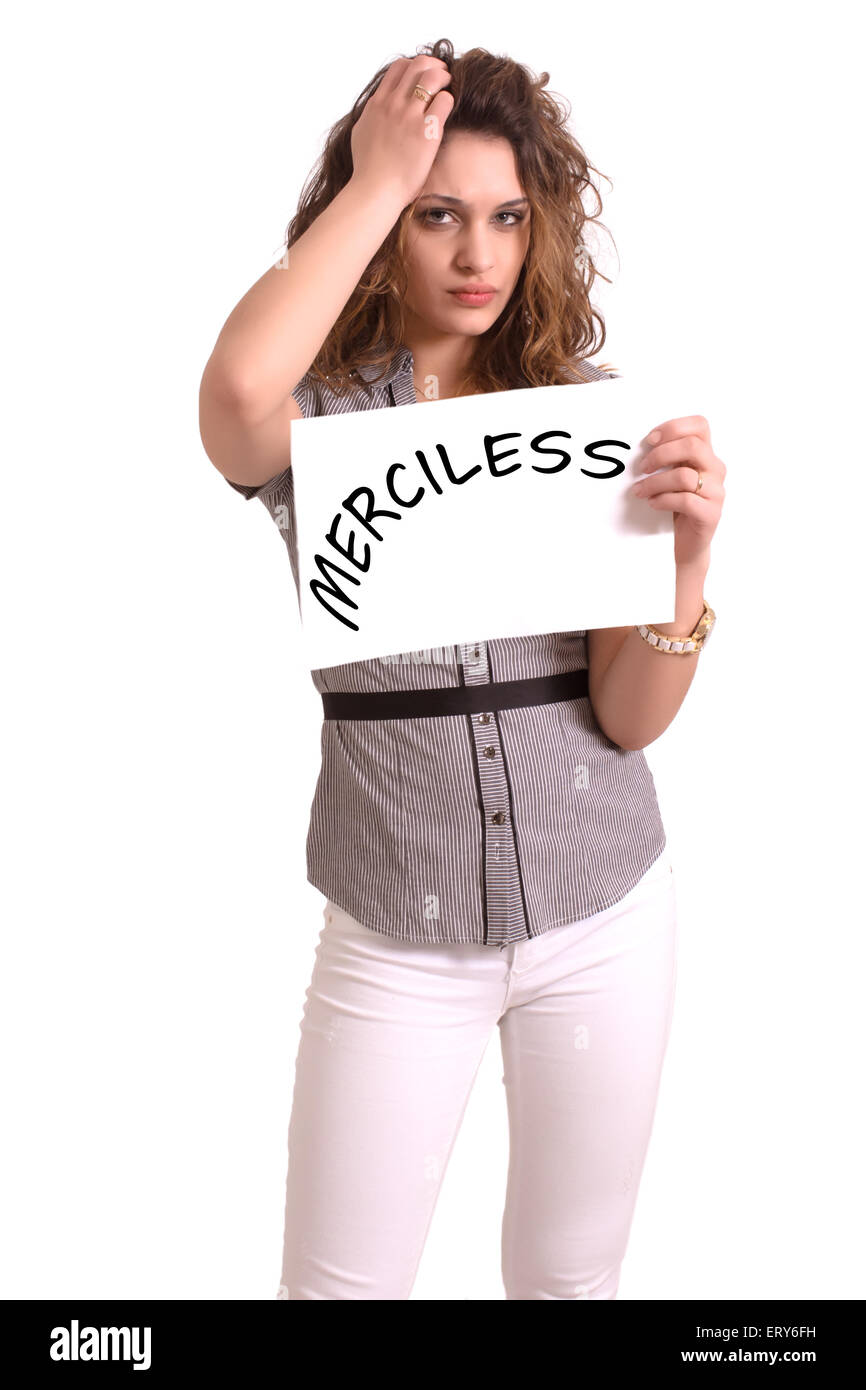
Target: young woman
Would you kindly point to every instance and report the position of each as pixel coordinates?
(484, 827)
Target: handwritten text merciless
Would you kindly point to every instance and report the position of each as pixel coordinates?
(480, 517)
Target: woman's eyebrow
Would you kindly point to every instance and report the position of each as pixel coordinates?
(458, 202)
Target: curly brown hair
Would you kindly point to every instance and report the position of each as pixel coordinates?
(548, 325)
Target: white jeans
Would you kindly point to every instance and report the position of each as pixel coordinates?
(392, 1037)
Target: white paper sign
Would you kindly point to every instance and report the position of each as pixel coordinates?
(499, 515)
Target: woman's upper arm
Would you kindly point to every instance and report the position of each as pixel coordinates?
(248, 450)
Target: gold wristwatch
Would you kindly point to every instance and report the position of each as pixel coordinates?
(695, 642)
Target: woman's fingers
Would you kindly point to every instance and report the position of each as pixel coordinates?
(396, 137)
(679, 450)
(673, 429)
(680, 480)
(431, 78)
(403, 69)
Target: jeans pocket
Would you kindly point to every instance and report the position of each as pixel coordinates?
(338, 919)
(661, 868)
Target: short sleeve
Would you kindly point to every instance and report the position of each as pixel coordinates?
(589, 371)
(304, 398)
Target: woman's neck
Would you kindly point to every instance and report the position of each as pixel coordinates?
(441, 363)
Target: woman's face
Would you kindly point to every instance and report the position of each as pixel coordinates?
(470, 227)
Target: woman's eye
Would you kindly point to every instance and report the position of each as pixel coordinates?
(435, 221)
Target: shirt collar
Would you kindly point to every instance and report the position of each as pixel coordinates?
(401, 361)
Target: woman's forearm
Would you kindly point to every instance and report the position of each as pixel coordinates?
(275, 332)
(642, 689)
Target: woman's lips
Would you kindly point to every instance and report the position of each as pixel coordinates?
(468, 297)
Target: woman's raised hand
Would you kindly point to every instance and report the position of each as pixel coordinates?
(396, 137)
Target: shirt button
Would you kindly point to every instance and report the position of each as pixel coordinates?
(484, 719)
(476, 652)
(498, 817)
(490, 751)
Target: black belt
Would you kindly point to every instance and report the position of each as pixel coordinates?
(455, 699)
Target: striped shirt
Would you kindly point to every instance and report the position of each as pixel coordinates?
(489, 828)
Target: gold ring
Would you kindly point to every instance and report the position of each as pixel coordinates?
(422, 94)
(700, 483)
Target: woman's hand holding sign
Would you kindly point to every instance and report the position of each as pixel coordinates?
(682, 451)
(634, 693)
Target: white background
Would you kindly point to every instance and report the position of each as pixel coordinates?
(161, 736)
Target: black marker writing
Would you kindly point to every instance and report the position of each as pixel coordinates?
(357, 551)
